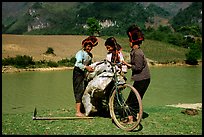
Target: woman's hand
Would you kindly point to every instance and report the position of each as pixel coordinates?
(127, 64)
(89, 68)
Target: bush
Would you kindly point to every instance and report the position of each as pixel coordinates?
(50, 51)
(193, 55)
(23, 61)
(52, 64)
(18, 61)
(72, 60)
(27, 61)
(175, 39)
(8, 61)
(67, 62)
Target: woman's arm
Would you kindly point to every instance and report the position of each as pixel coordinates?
(80, 58)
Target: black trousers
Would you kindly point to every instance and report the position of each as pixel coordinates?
(79, 84)
(141, 87)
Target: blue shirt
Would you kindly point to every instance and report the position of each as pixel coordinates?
(82, 59)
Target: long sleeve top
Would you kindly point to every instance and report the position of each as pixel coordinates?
(109, 56)
(140, 69)
(83, 59)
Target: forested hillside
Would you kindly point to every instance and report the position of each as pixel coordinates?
(191, 16)
(114, 17)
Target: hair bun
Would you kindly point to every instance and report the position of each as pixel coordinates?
(135, 34)
(92, 40)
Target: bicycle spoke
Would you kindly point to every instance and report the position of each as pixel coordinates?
(122, 110)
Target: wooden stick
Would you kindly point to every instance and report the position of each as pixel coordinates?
(56, 118)
(60, 118)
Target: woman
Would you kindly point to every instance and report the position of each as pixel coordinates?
(138, 64)
(114, 54)
(83, 60)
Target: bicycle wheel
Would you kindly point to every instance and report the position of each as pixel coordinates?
(121, 108)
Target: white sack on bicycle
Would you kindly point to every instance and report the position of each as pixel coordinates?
(96, 85)
(99, 83)
(99, 67)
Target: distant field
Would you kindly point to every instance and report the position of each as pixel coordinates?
(158, 51)
(66, 46)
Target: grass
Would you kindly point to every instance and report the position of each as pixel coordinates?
(161, 120)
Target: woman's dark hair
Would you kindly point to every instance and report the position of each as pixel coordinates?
(111, 41)
(135, 34)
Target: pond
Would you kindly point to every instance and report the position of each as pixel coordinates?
(22, 92)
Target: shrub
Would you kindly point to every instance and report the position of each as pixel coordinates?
(73, 60)
(193, 55)
(23, 61)
(8, 61)
(50, 51)
(67, 62)
(18, 61)
(40, 64)
(52, 64)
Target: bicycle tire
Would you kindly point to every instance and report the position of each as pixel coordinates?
(120, 112)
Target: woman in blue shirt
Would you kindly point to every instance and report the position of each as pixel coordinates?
(83, 60)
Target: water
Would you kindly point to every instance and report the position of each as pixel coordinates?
(173, 85)
(44, 90)
(22, 92)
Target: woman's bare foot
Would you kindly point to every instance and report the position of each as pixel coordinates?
(130, 121)
(79, 114)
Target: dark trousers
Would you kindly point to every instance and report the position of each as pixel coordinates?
(79, 84)
(141, 87)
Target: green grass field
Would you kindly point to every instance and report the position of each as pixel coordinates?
(161, 120)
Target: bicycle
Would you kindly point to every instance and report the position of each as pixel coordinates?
(115, 97)
(120, 108)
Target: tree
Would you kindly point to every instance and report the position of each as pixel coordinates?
(50, 51)
(193, 55)
(190, 30)
(93, 26)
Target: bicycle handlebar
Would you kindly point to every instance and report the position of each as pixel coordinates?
(112, 64)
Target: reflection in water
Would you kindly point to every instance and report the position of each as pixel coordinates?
(22, 92)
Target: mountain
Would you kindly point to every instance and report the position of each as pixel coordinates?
(171, 7)
(13, 9)
(16, 8)
(71, 17)
(190, 15)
